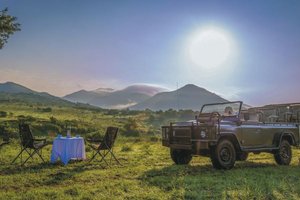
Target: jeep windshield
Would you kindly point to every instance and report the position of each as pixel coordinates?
(224, 109)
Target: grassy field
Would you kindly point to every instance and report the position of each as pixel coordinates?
(147, 171)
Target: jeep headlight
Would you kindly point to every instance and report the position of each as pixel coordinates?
(203, 134)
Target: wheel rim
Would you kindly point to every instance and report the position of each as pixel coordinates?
(225, 155)
(285, 153)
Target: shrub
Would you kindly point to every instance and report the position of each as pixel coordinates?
(154, 139)
(95, 135)
(131, 128)
(27, 118)
(126, 148)
(53, 120)
(3, 114)
(48, 109)
(45, 128)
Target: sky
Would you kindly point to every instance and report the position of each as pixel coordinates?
(66, 46)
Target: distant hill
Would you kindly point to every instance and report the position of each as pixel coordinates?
(188, 97)
(84, 96)
(108, 98)
(10, 87)
(13, 92)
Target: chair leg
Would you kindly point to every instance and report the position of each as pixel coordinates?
(31, 154)
(110, 159)
(115, 158)
(94, 155)
(103, 155)
(103, 158)
(26, 159)
(113, 155)
(40, 154)
(20, 154)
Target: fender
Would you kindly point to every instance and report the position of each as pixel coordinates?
(233, 138)
(285, 134)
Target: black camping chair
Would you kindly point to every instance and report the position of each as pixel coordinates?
(5, 137)
(29, 144)
(105, 146)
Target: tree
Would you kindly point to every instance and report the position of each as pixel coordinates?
(8, 26)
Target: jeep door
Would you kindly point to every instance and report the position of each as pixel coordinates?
(268, 132)
(251, 134)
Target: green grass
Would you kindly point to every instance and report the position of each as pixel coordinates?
(147, 173)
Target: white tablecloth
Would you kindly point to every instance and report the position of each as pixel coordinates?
(67, 149)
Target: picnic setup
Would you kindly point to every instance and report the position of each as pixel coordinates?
(64, 148)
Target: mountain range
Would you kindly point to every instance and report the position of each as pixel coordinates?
(115, 99)
(135, 97)
(188, 97)
(141, 97)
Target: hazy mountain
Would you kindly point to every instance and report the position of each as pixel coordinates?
(188, 97)
(83, 96)
(12, 92)
(10, 87)
(108, 98)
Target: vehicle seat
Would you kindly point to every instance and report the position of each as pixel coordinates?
(253, 117)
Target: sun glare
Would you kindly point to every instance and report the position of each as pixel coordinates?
(209, 48)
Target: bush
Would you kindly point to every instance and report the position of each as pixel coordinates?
(45, 128)
(26, 119)
(48, 109)
(3, 114)
(53, 120)
(126, 148)
(131, 128)
(95, 135)
(154, 139)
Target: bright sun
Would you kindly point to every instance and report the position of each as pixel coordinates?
(209, 48)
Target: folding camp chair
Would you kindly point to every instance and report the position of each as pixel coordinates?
(105, 146)
(5, 137)
(29, 144)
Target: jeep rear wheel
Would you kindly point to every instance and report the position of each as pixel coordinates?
(223, 156)
(283, 156)
(180, 156)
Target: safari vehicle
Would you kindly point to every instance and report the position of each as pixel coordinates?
(226, 133)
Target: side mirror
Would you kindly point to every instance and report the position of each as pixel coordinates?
(196, 117)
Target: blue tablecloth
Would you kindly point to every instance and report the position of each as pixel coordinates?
(67, 149)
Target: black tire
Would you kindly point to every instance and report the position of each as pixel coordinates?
(223, 155)
(283, 156)
(181, 156)
(242, 156)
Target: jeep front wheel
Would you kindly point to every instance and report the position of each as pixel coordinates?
(181, 156)
(283, 155)
(223, 155)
